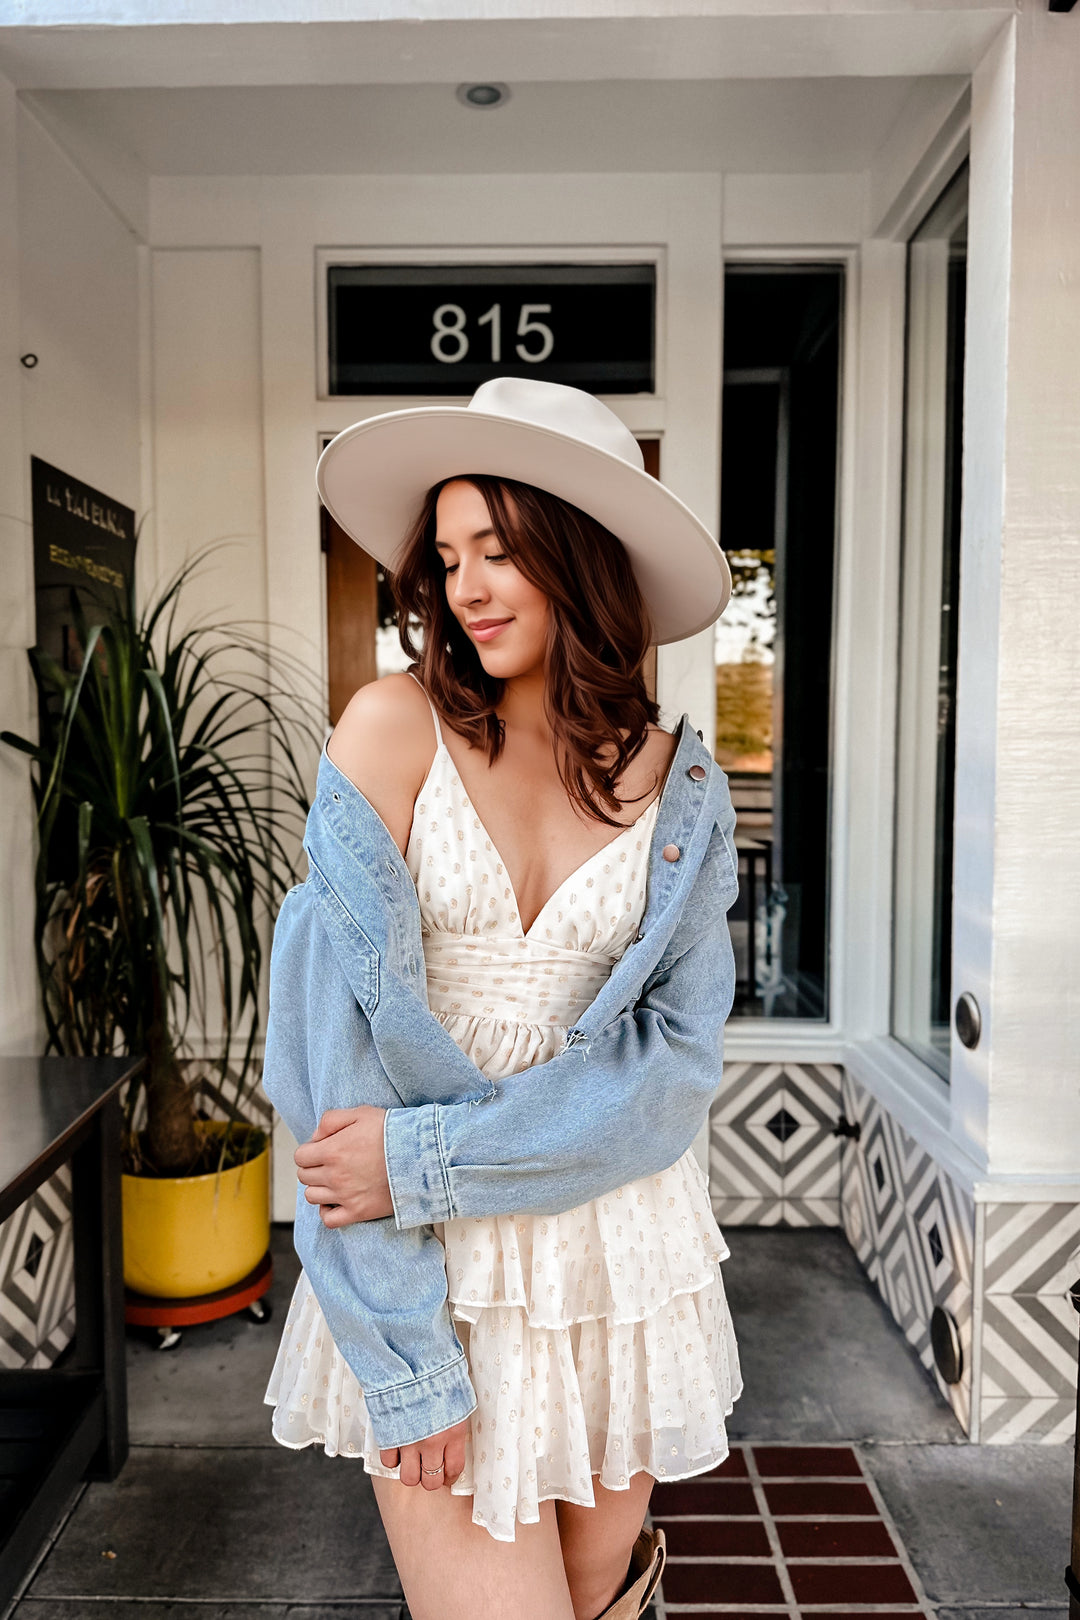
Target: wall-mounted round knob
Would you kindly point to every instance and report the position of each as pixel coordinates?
(945, 1339)
(968, 1020)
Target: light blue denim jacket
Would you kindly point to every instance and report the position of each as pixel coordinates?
(349, 1023)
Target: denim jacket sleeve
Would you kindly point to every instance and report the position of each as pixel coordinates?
(641, 1082)
(383, 1291)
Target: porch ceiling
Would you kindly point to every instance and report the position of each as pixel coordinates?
(108, 44)
(745, 126)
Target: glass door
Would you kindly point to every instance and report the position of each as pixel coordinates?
(774, 644)
(929, 597)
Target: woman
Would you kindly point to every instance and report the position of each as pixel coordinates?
(577, 1250)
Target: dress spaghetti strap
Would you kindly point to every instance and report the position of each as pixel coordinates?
(431, 706)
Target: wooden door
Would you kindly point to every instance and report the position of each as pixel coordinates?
(351, 616)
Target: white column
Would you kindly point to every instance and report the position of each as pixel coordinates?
(1017, 944)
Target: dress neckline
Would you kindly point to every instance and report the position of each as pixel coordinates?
(441, 748)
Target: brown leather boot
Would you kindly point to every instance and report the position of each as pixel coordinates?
(646, 1568)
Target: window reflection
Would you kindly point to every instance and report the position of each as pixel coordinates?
(774, 642)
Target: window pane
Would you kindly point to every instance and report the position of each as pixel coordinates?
(930, 579)
(774, 642)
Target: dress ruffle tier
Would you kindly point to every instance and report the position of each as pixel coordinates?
(629, 1384)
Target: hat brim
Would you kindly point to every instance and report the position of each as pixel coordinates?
(373, 476)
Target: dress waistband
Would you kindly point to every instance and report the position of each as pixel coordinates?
(520, 980)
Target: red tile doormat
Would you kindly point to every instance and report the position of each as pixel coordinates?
(798, 1531)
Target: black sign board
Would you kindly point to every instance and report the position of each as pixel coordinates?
(82, 539)
(427, 329)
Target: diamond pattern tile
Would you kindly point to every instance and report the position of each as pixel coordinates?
(773, 1158)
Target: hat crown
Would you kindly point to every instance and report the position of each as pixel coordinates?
(560, 409)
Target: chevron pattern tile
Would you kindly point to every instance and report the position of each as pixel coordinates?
(913, 1229)
(1030, 1329)
(1031, 1248)
(773, 1158)
(37, 1277)
(1011, 1420)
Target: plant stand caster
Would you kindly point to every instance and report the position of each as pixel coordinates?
(168, 1316)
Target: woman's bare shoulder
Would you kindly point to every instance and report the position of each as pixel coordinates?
(383, 743)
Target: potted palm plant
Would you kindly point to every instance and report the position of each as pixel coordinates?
(170, 795)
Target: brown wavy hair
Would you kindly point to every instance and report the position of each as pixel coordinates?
(599, 630)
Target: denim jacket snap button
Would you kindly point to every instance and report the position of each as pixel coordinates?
(697, 772)
(671, 852)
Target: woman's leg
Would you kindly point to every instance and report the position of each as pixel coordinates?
(452, 1569)
(597, 1542)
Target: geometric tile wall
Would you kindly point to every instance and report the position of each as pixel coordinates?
(1029, 1327)
(37, 1273)
(774, 1161)
(913, 1230)
(37, 1277)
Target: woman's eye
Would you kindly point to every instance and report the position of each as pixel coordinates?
(496, 556)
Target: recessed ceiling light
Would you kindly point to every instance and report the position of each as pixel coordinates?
(483, 95)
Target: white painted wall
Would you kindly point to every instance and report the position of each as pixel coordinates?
(79, 298)
(1034, 1038)
(19, 1018)
(69, 293)
(206, 367)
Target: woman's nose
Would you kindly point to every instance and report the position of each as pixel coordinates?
(469, 582)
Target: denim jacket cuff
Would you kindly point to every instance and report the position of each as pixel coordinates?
(427, 1404)
(415, 1167)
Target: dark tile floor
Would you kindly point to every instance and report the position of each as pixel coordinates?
(847, 1469)
(786, 1529)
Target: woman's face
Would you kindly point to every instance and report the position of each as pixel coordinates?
(503, 614)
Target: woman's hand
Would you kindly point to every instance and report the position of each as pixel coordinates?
(343, 1167)
(446, 1447)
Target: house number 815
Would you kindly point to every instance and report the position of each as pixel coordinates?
(450, 343)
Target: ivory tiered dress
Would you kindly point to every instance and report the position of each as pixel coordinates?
(598, 1341)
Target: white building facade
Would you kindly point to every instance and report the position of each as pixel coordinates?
(895, 184)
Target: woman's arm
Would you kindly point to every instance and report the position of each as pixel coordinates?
(382, 1291)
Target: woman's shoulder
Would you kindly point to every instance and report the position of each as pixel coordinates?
(384, 743)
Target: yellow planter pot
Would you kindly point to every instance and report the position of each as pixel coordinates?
(188, 1235)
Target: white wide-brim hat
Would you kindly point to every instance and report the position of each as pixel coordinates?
(373, 476)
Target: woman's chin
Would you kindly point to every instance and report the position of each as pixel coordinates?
(504, 664)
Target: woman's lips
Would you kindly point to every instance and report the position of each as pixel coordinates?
(486, 632)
